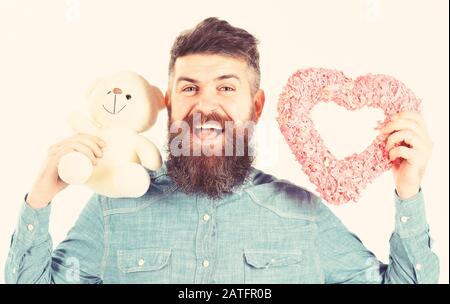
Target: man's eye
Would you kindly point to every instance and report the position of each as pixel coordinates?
(226, 89)
(189, 89)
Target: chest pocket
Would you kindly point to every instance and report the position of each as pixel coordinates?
(275, 267)
(147, 265)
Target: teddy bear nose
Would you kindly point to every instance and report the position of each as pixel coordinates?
(117, 91)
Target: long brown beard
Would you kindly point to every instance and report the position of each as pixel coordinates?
(212, 176)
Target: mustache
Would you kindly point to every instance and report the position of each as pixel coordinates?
(201, 118)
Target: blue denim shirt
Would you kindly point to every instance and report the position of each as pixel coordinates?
(266, 231)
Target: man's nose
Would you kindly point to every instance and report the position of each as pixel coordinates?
(117, 91)
(207, 103)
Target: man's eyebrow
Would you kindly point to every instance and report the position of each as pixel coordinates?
(188, 79)
(228, 76)
(192, 80)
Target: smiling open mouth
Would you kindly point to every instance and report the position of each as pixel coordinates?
(208, 131)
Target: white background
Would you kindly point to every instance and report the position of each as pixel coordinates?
(51, 50)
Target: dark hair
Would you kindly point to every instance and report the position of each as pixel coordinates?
(218, 37)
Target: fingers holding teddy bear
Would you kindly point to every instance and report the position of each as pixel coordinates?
(48, 182)
(89, 145)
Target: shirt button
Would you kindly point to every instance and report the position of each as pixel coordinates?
(418, 267)
(141, 262)
(14, 270)
(205, 263)
(30, 227)
(404, 219)
(206, 217)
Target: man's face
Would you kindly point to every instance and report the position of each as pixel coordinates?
(217, 90)
(213, 83)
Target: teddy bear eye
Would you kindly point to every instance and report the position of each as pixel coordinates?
(128, 96)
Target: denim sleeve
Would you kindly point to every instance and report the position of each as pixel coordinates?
(31, 258)
(345, 259)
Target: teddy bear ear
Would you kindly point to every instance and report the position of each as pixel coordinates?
(93, 86)
(159, 96)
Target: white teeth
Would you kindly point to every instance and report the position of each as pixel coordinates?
(209, 125)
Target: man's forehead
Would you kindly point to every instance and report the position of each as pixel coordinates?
(206, 66)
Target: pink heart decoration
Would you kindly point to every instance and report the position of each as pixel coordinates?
(339, 180)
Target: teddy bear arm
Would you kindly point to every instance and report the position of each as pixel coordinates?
(82, 124)
(148, 153)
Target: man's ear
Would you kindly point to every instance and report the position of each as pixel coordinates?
(258, 102)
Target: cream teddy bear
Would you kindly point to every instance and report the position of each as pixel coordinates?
(121, 106)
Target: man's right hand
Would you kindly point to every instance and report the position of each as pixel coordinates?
(48, 182)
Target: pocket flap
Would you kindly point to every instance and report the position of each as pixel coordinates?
(147, 259)
(266, 259)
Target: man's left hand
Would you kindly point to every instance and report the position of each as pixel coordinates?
(409, 130)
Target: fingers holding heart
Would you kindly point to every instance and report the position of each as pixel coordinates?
(409, 143)
(406, 141)
(411, 155)
(406, 136)
(417, 117)
(405, 123)
(416, 151)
